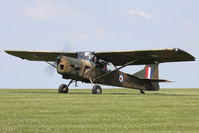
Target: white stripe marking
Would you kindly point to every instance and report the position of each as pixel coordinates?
(149, 73)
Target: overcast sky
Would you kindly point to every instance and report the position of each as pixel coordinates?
(91, 25)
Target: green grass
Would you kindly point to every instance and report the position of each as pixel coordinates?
(116, 111)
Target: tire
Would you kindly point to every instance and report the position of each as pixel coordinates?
(142, 91)
(63, 88)
(96, 89)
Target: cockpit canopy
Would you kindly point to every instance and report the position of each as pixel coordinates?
(86, 56)
(98, 63)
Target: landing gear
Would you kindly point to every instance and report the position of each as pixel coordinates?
(63, 88)
(142, 91)
(96, 89)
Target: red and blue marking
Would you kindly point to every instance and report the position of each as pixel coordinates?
(121, 78)
(149, 73)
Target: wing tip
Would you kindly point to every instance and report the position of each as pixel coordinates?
(189, 56)
(8, 51)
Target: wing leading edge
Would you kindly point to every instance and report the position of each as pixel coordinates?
(120, 58)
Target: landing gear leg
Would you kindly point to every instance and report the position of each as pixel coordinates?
(63, 88)
(142, 91)
(70, 83)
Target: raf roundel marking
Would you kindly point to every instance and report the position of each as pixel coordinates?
(121, 78)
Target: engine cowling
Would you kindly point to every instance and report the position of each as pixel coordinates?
(74, 68)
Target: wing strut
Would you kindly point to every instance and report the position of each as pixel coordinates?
(103, 75)
(47, 62)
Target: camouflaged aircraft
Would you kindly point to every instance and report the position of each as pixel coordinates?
(92, 67)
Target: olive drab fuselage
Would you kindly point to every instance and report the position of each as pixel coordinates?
(84, 70)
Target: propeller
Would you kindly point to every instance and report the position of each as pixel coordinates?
(50, 69)
(67, 47)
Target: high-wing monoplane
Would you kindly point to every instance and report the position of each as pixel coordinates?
(93, 67)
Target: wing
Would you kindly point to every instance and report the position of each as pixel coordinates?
(145, 56)
(39, 55)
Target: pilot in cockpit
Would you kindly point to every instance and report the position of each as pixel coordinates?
(101, 64)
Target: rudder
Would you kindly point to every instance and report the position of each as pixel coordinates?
(149, 72)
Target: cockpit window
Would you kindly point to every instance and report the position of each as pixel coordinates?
(86, 56)
(99, 63)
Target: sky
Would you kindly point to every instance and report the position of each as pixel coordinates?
(91, 25)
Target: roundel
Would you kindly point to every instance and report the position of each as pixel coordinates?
(121, 78)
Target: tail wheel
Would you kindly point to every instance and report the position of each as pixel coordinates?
(63, 88)
(96, 89)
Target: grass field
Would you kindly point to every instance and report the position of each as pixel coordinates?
(115, 111)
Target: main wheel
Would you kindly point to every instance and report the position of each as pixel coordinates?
(142, 91)
(96, 89)
(63, 88)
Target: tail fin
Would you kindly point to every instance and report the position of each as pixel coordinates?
(149, 72)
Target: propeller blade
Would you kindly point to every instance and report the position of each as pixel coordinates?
(50, 69)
